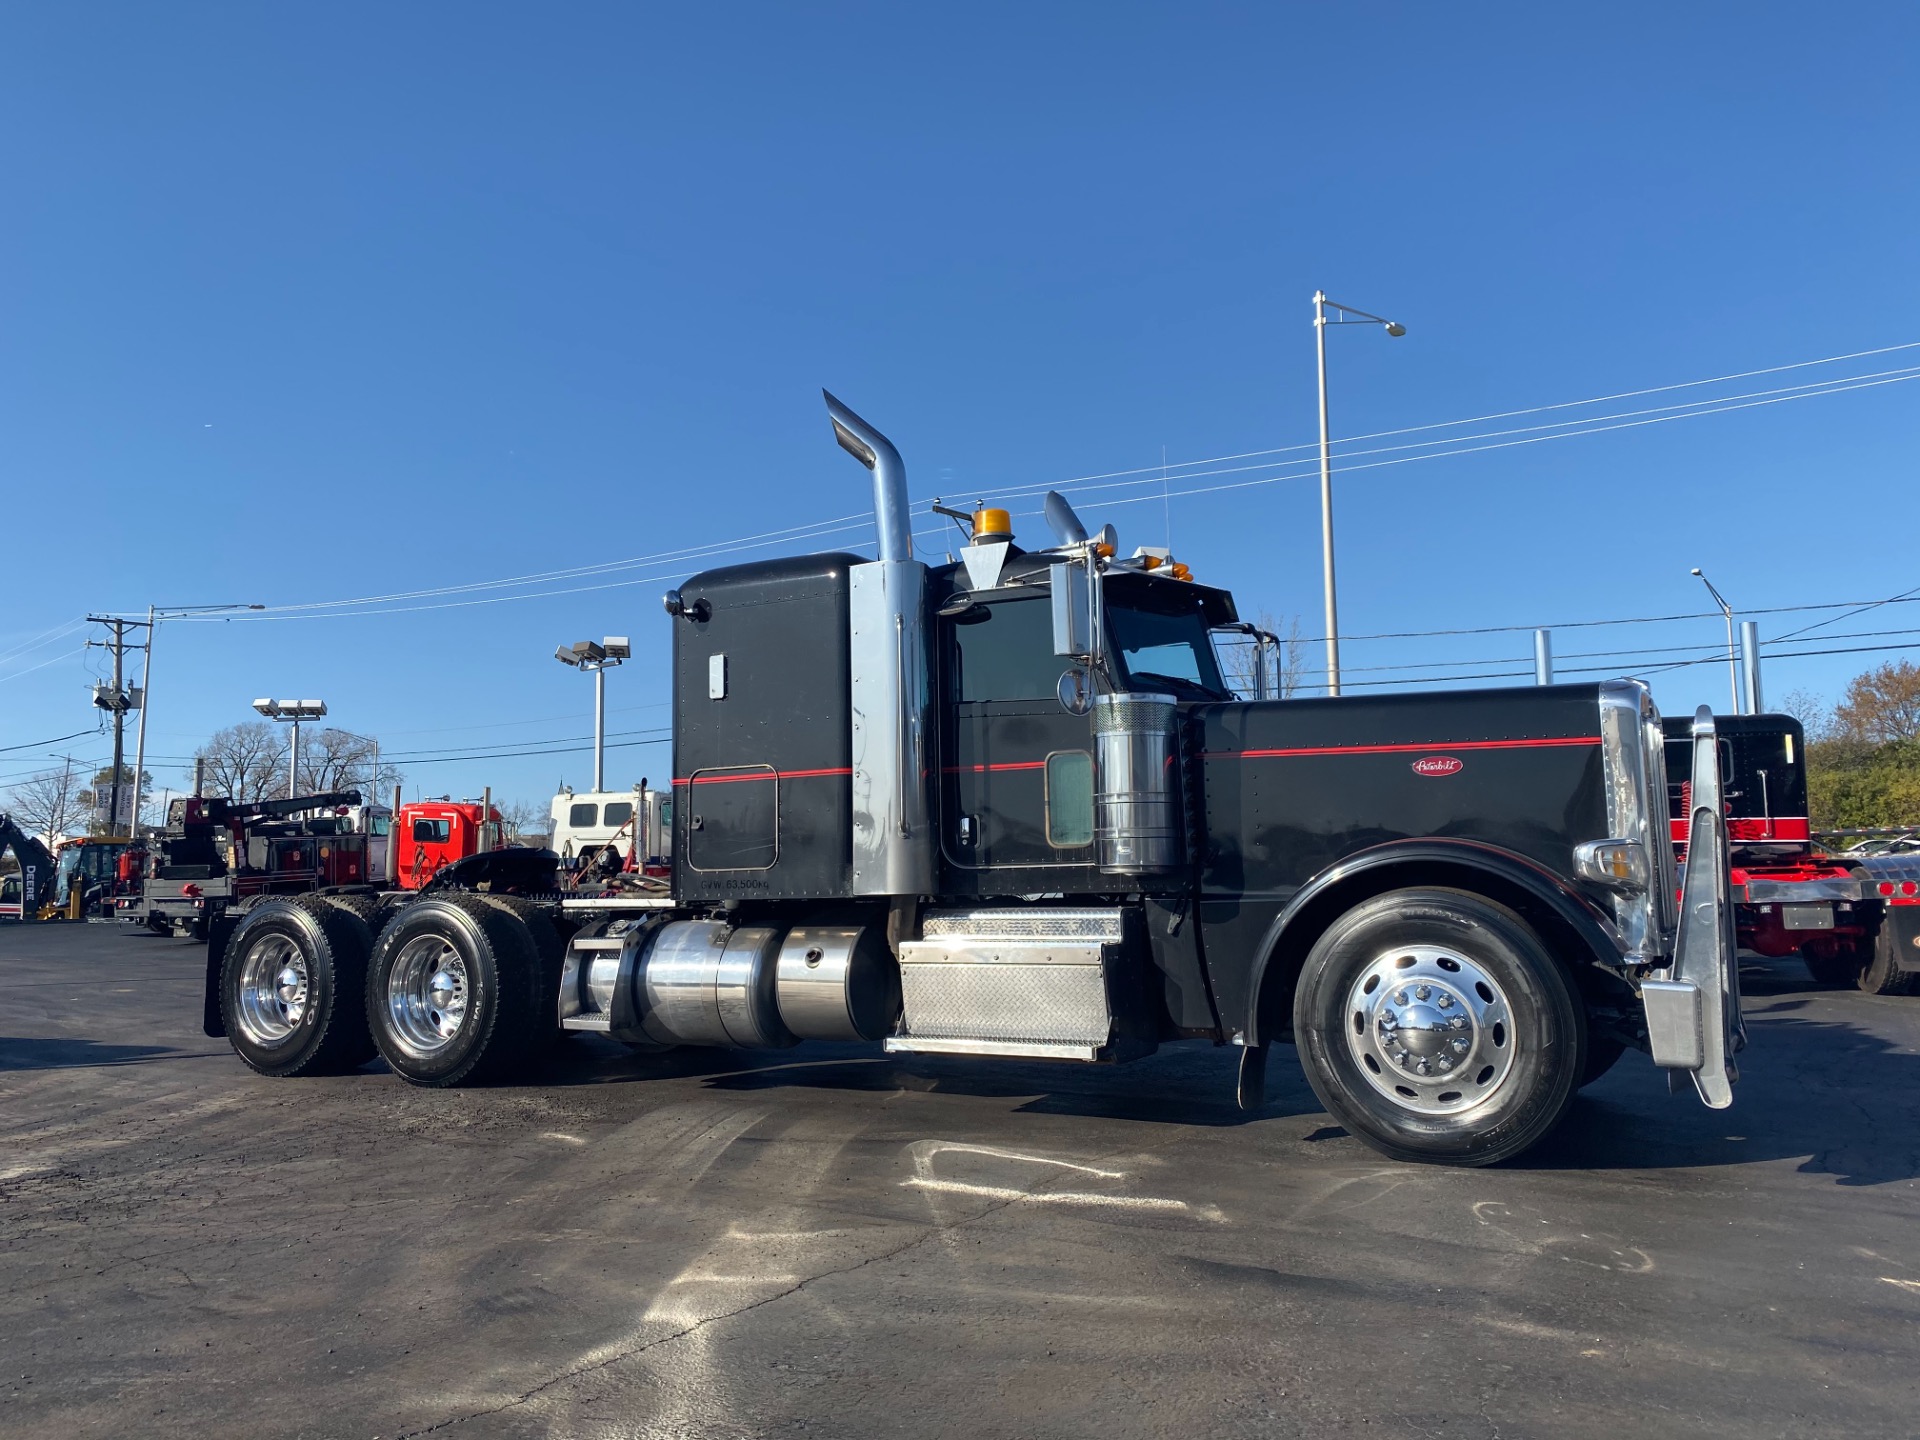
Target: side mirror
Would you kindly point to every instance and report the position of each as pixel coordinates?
(1072, 610)
(1075, 690)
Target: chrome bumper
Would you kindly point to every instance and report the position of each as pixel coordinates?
(1693, 1006)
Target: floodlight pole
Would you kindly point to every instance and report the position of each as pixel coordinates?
(599, 727)
(596, 657)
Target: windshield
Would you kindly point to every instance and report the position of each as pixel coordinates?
(1173, 653)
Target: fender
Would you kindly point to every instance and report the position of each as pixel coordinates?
(1499, 874)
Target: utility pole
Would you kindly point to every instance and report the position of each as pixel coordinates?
(118, 701)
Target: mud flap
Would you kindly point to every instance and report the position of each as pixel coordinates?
(1693, 1010)
(1252, 1090)
(219, 930)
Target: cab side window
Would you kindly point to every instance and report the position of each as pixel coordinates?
(1008, 654)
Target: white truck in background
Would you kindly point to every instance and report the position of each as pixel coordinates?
(635, 825)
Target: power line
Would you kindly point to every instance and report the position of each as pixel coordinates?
(54, 741)
(822, 528)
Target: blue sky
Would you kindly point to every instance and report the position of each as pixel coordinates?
(307, 304)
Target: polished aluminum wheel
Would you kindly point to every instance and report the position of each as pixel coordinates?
(427, 994)
(1430, 1029)
(275, 990)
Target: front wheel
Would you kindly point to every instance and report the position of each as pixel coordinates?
(1435, 1026)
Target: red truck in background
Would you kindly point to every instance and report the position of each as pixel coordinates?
(1853, 921)
(433, 834)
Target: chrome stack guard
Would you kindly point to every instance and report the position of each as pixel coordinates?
(1693, 1008)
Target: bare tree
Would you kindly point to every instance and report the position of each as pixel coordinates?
(49, 804)
(1813, 713)
(1289, 659)
(1882, 705)
(247, 761)
(527, 821)
(340, 760)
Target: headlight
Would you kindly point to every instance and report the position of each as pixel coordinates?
(1617, 864)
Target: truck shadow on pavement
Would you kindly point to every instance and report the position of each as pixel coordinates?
(73, 1053)
(1834, 1095)
(1818, 1088)
(1189, 1083)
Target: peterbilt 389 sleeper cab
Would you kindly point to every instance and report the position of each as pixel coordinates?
(1006, 807)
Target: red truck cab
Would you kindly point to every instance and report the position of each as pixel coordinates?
(432, 834)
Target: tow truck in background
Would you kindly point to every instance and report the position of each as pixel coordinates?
(218, 854)
(1007, 808)
(1854, 919)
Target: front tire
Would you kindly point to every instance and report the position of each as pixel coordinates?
(290, 991)
(454, 993)
(1434, 1025)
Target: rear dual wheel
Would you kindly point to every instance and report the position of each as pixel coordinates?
(290, 990)
(1882, 974)
(1435, 1026)
(456, 992)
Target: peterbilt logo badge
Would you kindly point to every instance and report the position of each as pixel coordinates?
(1439, 765)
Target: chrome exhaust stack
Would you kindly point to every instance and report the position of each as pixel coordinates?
(892, 809)
(891, 515)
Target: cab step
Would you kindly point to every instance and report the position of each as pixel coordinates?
(1032, 982)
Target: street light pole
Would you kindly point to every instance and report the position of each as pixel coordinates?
(1326, 502)
(1733, 666)
(1321, 304)
(597, 656)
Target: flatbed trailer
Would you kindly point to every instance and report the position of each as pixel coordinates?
(1007, 807)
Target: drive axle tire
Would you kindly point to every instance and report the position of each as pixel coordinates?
(371, 909)
(549, 945)
(1434, 1025)
(1834, 964)
(1882, 974)
(291, 984)
(454, 993)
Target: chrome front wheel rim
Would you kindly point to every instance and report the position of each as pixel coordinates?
(276, 990)
(427, 993)
(1430, 1029)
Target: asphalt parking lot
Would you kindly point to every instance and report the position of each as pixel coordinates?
(833, 1243)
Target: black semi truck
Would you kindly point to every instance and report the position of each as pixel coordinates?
(1007, 808)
